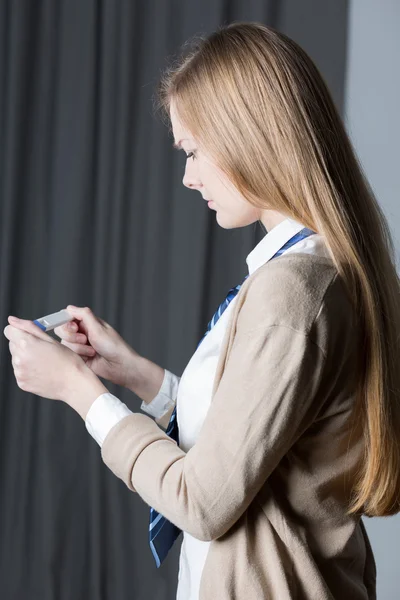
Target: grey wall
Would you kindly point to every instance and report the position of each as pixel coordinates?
(372, 109)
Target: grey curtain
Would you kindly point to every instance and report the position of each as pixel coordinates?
(93, 213)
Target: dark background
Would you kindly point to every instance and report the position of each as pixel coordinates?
(93, 213)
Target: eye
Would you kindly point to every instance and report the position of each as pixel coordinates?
(190, 155)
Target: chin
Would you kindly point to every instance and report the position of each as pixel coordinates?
(233, 222)
(229, 223)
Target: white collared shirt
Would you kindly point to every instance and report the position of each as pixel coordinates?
(192, 393)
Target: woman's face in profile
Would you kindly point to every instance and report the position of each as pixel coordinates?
(201, 174)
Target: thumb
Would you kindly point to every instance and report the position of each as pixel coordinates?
(88, 320)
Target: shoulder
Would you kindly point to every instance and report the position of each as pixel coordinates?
(301, 291)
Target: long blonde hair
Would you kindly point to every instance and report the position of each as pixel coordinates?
(257, 103)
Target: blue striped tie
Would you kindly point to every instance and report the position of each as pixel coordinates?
(163, 533)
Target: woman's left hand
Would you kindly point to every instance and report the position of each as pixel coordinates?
(41, 365)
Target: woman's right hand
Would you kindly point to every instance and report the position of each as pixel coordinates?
(100, 346)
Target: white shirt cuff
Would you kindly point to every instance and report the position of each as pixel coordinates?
(106, 411)
(166, 397)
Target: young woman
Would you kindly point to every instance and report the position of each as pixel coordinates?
(284, 428)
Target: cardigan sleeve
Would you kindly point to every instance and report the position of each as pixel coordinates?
(268, 394)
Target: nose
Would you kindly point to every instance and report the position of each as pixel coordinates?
(191, 178)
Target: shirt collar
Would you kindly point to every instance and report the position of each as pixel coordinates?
(272, 242)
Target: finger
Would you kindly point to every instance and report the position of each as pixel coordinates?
(14, 334)
(87, 318)
(82, 350)
(24, 325)
(78, 319)
(61, 330)
(76, 338)
(69, 336)
(16, 362)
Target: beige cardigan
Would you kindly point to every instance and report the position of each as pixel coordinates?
(269, 476)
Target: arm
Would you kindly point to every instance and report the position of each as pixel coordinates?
(267, 396)
(105, 410)
(162, 405)
(158, 389)
(147, 378)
